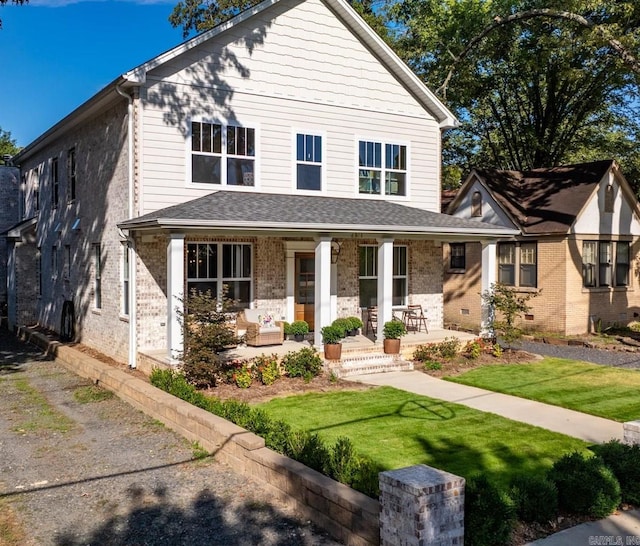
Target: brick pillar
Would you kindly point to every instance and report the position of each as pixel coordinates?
(421, 506)
(631, 433)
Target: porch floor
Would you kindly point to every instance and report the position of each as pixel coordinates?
(353, 348)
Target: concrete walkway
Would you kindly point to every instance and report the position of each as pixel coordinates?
(571, 423)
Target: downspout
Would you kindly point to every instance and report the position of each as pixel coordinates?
(133, 330)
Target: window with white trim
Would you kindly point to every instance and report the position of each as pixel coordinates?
(518, 264)
(457, 256)
(368, 275)
(222, 155)
(220, 267)
(382, 168)
(71, 174)
(605, 263)
(308, 162)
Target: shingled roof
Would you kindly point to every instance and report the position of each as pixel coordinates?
(545, 200)
(278, 212)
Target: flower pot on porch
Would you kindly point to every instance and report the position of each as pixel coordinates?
(352, 333)
(391, 346)
(298, 337)
(333, 351)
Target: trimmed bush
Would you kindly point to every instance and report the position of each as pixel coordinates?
(342, 464)
(309, 449)
(305, 363)
(585, 485)
(202, 375)
(535, 498)
(624, 462)
(342, 324)
(266, 369)
(489, 513)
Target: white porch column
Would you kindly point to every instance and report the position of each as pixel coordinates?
(322, 288)
(334, 291)
(385, 283)
(175, 293)
(291, 284)
(489, 269)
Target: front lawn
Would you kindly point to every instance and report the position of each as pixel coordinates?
(607, 392)
(397, 429)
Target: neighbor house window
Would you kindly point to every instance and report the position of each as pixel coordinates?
(308, 162)
(71, 174)
(476, 204)
(368, 275)
(222, 155)
(97, 280)
(457, 256)
(223, 269)
(608, 198)
(55, 182)
(518, 264)
(605, 263)
(382, 168)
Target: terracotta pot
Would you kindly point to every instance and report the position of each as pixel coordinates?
(332, 351)
(391, 346)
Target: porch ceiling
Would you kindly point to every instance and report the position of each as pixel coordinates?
(260, 212)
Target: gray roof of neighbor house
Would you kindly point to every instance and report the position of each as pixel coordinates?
(545, 200)
(277, 212)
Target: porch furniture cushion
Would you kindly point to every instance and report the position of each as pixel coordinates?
(260, 327)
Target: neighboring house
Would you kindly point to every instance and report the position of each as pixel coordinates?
(577, 250)
(287, 154)
(9, 215)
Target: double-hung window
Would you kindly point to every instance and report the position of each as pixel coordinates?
(382, 168)
(55, 183)
(71, 174)
(457, 256)
(605, 263)
(308, 162)
(224, 155)
(368, 275)
(518, 264)
(223, 269)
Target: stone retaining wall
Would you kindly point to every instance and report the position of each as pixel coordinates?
(347, 515)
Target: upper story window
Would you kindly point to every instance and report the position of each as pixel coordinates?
(608, 198)
(476, 204)
(55, 182)
(308, 162)
(518, 264)
(71, 174)
(222, 155)
(457, 256)
(605, 263)
(382, 168)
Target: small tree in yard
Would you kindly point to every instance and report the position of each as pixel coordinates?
(207, 333)
(510, 306)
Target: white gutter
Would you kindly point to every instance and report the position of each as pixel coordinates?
(131, 247)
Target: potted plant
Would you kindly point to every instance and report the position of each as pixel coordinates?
(331, 336)
(355, 324)
(298, 329)
(343, 325)
(393, 330)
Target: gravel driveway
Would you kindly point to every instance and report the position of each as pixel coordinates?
(618, 359)
(102, 473)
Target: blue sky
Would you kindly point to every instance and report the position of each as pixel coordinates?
(55, 54)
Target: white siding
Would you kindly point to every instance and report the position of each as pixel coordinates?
(491, 211)
(301, 69)
(593, 220)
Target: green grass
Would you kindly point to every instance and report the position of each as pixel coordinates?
(91, 393)
(607, 392)
(35, 411)
(398, 429)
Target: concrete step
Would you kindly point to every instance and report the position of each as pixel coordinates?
(362, 364)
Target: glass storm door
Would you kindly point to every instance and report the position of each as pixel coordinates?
(305, 288)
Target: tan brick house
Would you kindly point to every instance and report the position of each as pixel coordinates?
(287, 154)
(577, 249)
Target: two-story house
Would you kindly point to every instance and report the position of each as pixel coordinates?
(287, 155)
(577, 250)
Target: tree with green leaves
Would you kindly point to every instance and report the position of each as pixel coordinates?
(8, 145)
(535, 83)
(19, 2)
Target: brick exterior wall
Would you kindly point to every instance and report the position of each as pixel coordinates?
(9, 216)
(101, 202)
(562, 304)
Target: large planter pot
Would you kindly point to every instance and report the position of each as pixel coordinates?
(298, 337)
(391, 346)
(332, 351)
(352, 333)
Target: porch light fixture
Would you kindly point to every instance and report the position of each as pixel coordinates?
(335, 251)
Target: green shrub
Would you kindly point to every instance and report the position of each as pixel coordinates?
(535, 498)
(394, 329)
(277, 437)
(305, 363)
(266, 369)
(355, 323)
(286, 328)
(309, 449)
(432, 365)
(449, 347)
(424, 353)
(299, 328)
(367, 479)
(342, 464)
(489, 513)
(343, 325)
(473, 350)
(331, 334)
(585, 485)
(624, 462)
(236, 412)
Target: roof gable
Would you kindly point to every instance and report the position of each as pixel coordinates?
(546, 200)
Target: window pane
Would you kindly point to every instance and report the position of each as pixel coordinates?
(309, 177)
(368, 292)
(202, 287)
(231, 140)
(399, 291)
(395, 184)
(192, 261)
(212, 258)
(317, 149)
(369, 181)
(604, 259)
(622, 264)
(458, 257)
(400, 260)
(368, 261)
(195, 137)
(240, 172)
(506, 253)
(205, 169)
(528, 275)
(246, 261)
(239, 292)
(506, 274)
(299, 147)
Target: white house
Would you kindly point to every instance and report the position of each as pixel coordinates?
(288, 154)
